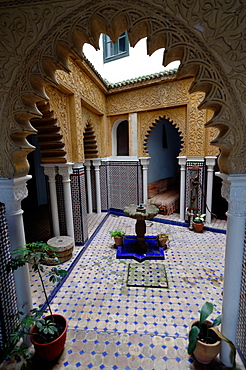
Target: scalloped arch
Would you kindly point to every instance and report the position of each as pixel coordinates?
(90, 142)
(164, 28)
(154, 121)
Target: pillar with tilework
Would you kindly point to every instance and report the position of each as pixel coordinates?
(195, 171)
(234, 191)
(12, 192)
(8, 298)
(79, 204)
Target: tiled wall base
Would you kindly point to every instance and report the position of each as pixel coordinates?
(121, 184)
(8, 299)
(79, 206)
(61, 205)
(193, 169)
(241, 329)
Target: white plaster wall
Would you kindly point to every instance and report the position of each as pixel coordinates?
(137, 64)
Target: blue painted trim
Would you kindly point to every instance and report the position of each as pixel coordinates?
(74, 263)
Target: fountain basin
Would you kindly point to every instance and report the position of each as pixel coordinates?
(130, 250)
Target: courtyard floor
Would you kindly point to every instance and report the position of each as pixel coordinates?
(116, 326)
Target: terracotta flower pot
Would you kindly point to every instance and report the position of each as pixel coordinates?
(50, 351)
(198, 227)
(118, 240)
(205, 353)
(163, 241)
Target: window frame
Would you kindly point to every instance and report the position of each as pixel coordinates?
(117, 55)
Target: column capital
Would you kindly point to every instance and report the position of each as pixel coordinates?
(182, 160)
(13, 191)
(50, 171)
(65, 170)
(96, 163)
(144, 162)
(210, 161)
(234, 191)
(87, 163)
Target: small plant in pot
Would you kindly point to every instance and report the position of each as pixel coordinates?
(118, 236)
(162, 239)
(198, 222)
(205, 338)
(47, 334)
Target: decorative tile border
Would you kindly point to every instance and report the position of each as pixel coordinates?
(79, 206)
(8, 299)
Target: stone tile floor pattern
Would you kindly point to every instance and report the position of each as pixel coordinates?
(113, 326)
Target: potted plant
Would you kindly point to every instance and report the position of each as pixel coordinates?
(205, 338)
(47, 334)
(198, 222)
(162, 239)
(15, 353)
(118, 236)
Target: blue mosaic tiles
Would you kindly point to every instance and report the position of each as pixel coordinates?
(113, 326)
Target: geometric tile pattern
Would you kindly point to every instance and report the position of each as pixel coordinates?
(147, 275)
(104, 185)
(61, 205)
(78, 192)
(115, 326)
(123, 184)
(93, 188)
(241, 329)
(194, 169)
(8, 299)
(120, 184)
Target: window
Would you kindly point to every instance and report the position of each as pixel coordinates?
(115, 51)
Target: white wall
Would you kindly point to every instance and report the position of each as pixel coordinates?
(137, 64)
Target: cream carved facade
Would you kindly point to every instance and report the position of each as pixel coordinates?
(81, 99)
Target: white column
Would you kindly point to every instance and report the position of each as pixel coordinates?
(210, 162)
(145, 162)
(234, 191)
(88, 182)
(133, 134)
(65, 170)
(96, 164)
(12, 192)
(182, 163)
(50, 170)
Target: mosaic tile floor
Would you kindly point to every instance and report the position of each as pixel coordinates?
(114, 326)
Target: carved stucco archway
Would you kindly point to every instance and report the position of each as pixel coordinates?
(152, 122)
(183, 31)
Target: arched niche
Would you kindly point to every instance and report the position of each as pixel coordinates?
(120, 138)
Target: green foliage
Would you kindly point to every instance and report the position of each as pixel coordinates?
(162, 236)
(200, 218)
(207, 310)
(34, 254)
(116, 233)
(46, 326)
(15, 349)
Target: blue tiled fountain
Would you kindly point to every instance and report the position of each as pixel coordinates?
(139, 246)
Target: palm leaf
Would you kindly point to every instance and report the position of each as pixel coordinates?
(206, 310)
(193, 334)
(233, 348)
(217, 321)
